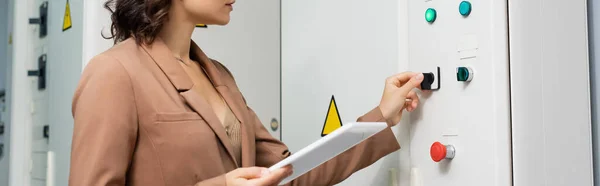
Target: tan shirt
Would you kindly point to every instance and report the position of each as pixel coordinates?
(233, 130)
(138, 122)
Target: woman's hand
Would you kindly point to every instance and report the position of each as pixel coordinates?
(257, 176)
(398, 88)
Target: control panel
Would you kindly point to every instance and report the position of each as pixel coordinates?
(461, 133)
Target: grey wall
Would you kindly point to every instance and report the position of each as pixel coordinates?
(594, 40)
(3, 82)
(64, 69)
(3, 42)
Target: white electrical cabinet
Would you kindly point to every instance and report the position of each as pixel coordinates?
(472, 116)
(550, 93)
(513, 103)
(342, 51)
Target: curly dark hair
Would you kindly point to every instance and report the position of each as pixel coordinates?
(140, 19)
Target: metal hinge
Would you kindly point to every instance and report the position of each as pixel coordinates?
(47, 131)
(40, 73)
(42, 20)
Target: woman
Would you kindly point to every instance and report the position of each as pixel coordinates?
(155, 110)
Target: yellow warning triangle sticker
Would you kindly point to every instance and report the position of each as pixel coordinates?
(201, 25)
(67, 18)
(332, 120)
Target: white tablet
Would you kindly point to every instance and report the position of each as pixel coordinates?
(328, 147)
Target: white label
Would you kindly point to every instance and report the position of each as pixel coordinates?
(450, 132)
(467, 54)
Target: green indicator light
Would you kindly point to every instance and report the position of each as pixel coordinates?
(464, 74)
(465, 8)
(430, 15)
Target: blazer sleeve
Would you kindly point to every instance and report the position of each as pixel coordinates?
(270, 151)
(105, 129)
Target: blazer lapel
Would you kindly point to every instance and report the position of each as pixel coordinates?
(225, 87)
(200, 105)
(163, 57)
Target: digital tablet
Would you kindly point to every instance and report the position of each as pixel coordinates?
(328, 147)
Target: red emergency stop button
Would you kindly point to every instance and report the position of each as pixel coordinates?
(440, 151)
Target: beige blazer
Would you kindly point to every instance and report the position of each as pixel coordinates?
(138, 123)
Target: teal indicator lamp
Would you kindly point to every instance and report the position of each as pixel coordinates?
(464, 74)
(430, 15)
(465, 8)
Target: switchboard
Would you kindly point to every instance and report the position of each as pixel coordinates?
(498, 117)
(461, 133)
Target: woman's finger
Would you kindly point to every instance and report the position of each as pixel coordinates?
(412, 83)
(407, 106)
(249, 172)
(273, 178)
(400, 79)
(415, 99)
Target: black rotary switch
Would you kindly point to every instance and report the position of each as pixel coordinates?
(429, 80)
